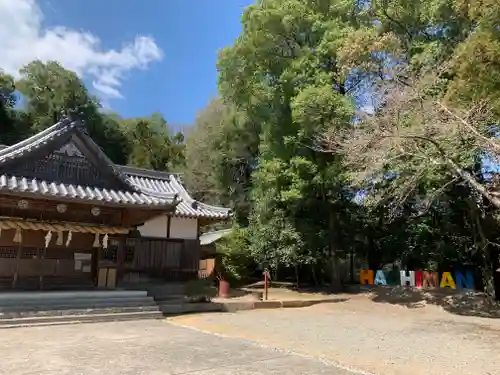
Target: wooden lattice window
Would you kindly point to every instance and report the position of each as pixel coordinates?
(29, 253)
(6, 252)
(129, 250)
(110, 254)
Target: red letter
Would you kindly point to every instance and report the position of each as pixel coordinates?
(418, 279)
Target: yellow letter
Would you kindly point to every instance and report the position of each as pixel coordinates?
(447, 281)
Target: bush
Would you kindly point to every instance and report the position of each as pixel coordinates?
(200, 290)
(233, 260)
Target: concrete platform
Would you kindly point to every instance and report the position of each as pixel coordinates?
(151, 347)
(70, 307)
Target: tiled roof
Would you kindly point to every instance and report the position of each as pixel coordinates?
(211, 237)
(132, 194)
(163, 182)
(80, 193)
(140, 186)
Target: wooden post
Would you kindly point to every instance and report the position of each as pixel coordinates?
(120, 258)
(16, 272)
(41, 258)
(266, 283)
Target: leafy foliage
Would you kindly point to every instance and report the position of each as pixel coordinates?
(50, 92)
(375, 132)
(342, 127)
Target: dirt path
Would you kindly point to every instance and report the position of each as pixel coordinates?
(374, 337)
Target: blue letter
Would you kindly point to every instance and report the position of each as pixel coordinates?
(380, 278)
(464, 282)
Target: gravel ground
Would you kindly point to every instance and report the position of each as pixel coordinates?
(374, 337)
(151, 347)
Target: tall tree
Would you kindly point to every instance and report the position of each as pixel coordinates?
(51, 92)
(283, 72)
(221, 152)
(150, 144)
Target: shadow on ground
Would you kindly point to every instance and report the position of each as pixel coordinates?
(453, 301)
(326, 290)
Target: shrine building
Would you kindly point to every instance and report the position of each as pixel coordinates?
(72, 219)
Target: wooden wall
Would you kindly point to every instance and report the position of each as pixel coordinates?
(169, 260)
(39, 209)
(57, 260)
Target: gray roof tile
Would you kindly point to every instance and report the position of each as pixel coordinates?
(10, 184)
(163, 182)
(142, 187)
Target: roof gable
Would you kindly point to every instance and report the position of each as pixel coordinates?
(62, 153)
(65, 153)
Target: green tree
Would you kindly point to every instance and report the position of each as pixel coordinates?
(150, 144)
(51, 92)
(283, 73)
(221, 152)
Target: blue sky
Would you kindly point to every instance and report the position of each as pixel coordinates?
(187, 33)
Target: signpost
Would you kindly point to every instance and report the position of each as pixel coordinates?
(267, 278)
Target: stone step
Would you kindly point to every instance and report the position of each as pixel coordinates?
(75, 301)
(73, 294)
(42, 305)
(170, 297)
(75, 319)
(154, 289)
(50, 311)
(186, 308)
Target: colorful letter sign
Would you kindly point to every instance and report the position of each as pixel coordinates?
(420, 279)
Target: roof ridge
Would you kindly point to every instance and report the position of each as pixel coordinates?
(144, 172)
(29, 186)
(190, 200)
(36, 137)
(78, 129)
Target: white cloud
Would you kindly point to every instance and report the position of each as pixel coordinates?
(22, 39)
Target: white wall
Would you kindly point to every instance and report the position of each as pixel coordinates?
(183, 228)
(180, 228)
(156, 227)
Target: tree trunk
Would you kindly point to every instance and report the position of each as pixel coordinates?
(486, 268)
(474, 184)
(297, 276)
(334, 271)
(313, 274)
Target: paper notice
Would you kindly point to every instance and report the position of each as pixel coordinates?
(83, 256)
(78, 265)
(86, 269)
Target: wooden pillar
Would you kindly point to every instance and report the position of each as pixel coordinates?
(18, 259)
(169, 223)
(41, 258)
(120, 258)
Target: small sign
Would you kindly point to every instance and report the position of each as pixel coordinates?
(83, 256)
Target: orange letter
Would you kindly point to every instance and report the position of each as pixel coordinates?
(447, 281)
(366, 277)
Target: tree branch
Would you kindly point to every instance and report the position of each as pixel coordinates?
(470, 127)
